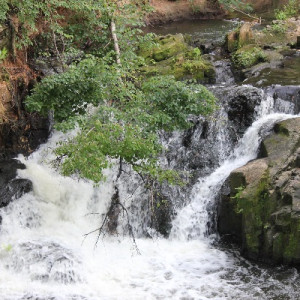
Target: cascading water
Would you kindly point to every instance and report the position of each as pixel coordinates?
(44, 255)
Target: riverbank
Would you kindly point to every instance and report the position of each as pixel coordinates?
(165, 11)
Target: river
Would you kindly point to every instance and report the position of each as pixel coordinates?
(46, 255)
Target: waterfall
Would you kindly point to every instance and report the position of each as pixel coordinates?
(44, 254)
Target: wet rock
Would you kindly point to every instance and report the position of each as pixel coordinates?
(23, 136)
(198, 151)
(288, 93)
(10, 187)
(264, 196)
(242, 103)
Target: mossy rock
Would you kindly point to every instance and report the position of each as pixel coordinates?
(174, 57)
(232, 41)
(239, 37)
(265, 193)
(167, 47)
(248, 56)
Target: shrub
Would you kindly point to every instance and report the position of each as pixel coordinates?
(247, 57)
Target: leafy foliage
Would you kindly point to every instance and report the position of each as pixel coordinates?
(236, 4)
(3, 54)
(128, 117)
(128, 111)
(291, 9)
(29, 12)
(248, 56)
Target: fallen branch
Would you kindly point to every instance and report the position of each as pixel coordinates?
(105, 222)
(246, 14)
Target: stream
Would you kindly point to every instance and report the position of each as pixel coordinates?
(45, 254)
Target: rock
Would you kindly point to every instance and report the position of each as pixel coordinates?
(232, 42)
(298, 42)
(10, 187)
(20, 131)
(288, 93)
(240, 37)
(246, 35)
(248, 56)
(14, 190)
(242, 105)
(173, 56)
(262, 199)
(168, 46)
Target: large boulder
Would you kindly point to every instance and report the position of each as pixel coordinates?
(260, 202)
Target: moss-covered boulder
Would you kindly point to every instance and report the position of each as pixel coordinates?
(248, 56)
(261, 208)
(167, 47)
(173, 56)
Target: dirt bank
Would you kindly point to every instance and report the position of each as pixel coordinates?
(167, 11)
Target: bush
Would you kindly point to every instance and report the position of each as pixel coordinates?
(289, 10)
(247, 57)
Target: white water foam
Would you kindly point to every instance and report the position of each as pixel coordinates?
(43, 255)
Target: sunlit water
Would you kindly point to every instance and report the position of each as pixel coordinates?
(44, 254)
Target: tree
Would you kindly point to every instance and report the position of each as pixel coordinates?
(129, 110)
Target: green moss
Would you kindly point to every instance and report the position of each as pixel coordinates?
(279, 128)
(291, 252)
(278, 246)
(248, 56)
(253, 202)
(183, 62)
(167, 46)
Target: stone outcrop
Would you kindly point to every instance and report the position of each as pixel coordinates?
(20, 131)
(290, 93)
(260, 202)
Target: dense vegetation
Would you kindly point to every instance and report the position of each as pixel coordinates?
(119, 112)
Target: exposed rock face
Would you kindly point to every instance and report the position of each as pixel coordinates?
(260, 202)
(199, 150)
(20, 131)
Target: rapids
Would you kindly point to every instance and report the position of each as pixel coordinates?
(44, 254)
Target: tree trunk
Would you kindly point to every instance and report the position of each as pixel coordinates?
(116, 43)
